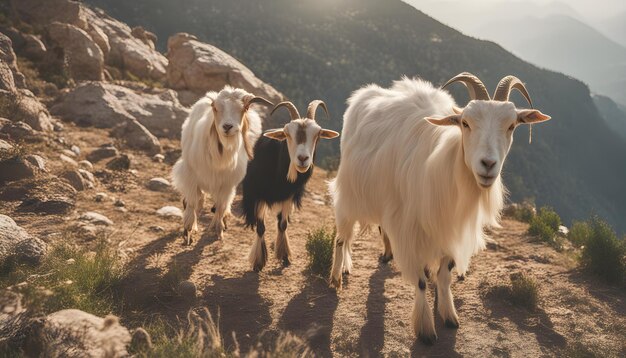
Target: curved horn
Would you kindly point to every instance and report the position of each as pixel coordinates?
(506, 85)
(475, 86)
(250, 100)
(310, 112)
(293, 111)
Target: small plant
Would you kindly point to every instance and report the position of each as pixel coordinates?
(545, 226)
(604, 254)
(524, 291)
(319, 247)
(69, 278)
(523, 212)
(579, 233)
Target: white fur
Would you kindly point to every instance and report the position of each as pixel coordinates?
(201, 167)
(413, 178)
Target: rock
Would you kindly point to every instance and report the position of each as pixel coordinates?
(16, 168)
(141, 341)
(33, 48)
(87, 176)
(14, 320)
(40, 13)
(105, 105)
(67, 160)
(74, 333)
(187, 290)
(18, 131)
(84, 58)
(159, 158)
(45, 195)
(119, 163)
(144, 36)
(170, 212)
(75, 179)
(96, 219)
(6, 78)
(105, 151)
(69, 153)
(100, 197)
(37, 161)
(563, 230)
(159, 184)
(137, 136)
(200, 67)
(100, 38)
(17, 245)
(171, 156)
(75, 149)
(22, 105)
(86, 231)
(85, 164)
(119, 203)
(6, 147)
(7, 55)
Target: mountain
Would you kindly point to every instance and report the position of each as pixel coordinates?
(614, 27)
(613, 114)
(327, 49)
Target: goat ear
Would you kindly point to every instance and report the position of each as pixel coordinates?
(277, 134)
(529, 116)
(451, 120)
(457, 110)
(244, 134)
(328, 134)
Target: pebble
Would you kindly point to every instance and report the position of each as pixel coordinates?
(158, 184)
(96, 218)
(170, 211)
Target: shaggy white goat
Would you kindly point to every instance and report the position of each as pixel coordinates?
(217, 141)
(429, 174)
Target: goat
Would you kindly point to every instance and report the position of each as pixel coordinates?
(282, 165)
(217, 141)
(431, 183)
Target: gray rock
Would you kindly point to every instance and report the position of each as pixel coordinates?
(159, 184)
(106, 151)
(95, 218)
(7, 55)
(85, 164)
(159, 158)
(106, 105)
(75, 333)
(119, 203)
(170, 212)
(75, 179)
(100, 197)
(17, 245)
(69, 161)
(136, 136)
(16, 168)
(37, 161)
(171, 156)
(5, 147)
(75, 149)
(87, 176)
(22, 105)
(119, 163)
(45, 195)
(84, 57)
(18, 131)
(69, 153)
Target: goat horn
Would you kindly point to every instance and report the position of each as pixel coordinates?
(310, 112)
(259, 100)
(475, 86)
(506, 85)
(293, 111)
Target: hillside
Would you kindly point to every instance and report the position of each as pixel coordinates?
(613, 114)
(326, 50)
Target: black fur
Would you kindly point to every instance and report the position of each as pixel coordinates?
(266, 179)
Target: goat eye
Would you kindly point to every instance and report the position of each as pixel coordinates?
(512, 127)
(465, 124)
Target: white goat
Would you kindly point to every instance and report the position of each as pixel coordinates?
(432, 184)
(217, 141)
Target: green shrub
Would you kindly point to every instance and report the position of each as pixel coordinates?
(68, 278)
(604, 254)
(524, 291)
(319, 247)
(545, 226)
(579, 233)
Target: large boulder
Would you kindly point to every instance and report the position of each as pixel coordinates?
(41, 13)
(43, 194)
(7, 55)
(105, 105)
(16, 168)
(136, 136)
(23, 105)
(84, 57)
(17, 245)
(75, 333)
(200, 67)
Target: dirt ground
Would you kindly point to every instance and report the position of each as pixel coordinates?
(369, 317)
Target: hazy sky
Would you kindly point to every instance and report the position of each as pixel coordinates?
(588, 8)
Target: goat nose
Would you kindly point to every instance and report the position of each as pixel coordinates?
(227, 127)
(303, 158)
(488, 163)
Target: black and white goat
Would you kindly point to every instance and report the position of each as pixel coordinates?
(276, 177)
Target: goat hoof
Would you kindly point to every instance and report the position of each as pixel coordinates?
(384, 259)
(451, 323)
(257, 268)
(187, 237)
(428, 340)
(336, 284)
(286, 262)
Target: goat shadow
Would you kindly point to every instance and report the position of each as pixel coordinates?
(246, 312)
(372, 338)
(310, 314)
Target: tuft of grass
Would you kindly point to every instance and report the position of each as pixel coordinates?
(524, 291)
(604, 254)
(69, 278)
(579, 233)
(545, 226)
(319, 248)
(523, 212)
